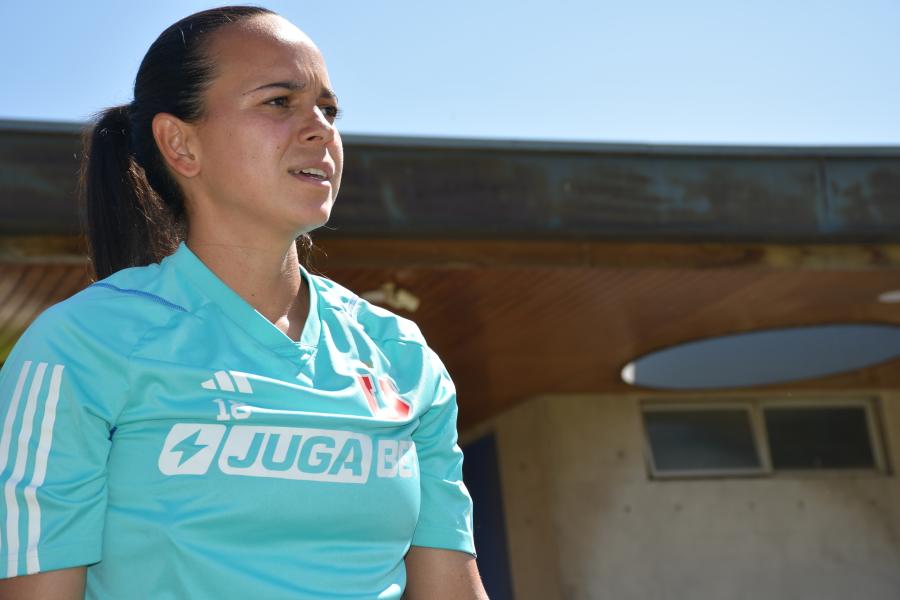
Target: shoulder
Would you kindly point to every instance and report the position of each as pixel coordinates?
(109, 315)
(414, 367)
(380, 324)
(146, 287)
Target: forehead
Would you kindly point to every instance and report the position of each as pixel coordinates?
(256, 50)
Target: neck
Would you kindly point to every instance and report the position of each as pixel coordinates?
(266, 276)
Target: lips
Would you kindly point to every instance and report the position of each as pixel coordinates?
(318, 172)
(311, 179)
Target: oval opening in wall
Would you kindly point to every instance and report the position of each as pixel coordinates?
(765, 357)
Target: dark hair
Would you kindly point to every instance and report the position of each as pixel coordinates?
(133, 206)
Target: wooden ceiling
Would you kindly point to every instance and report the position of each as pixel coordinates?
(514, 319)
(510, 332)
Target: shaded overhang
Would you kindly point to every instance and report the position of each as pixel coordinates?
(454, 188)
(544, 267)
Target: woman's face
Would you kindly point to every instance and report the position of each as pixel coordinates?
(270, 114)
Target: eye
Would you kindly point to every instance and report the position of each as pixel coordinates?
(331, 112)
(278, 101)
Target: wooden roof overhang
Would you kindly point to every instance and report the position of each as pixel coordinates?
(545, 267)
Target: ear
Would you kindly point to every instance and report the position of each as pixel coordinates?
(177, 143)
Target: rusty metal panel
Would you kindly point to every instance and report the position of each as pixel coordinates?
(863, 197)
(490, 189)
(38, 173)
(485, 194)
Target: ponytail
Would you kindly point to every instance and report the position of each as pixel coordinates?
(128, 224)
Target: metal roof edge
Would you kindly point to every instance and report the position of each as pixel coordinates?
(641, 148)
(523, 144)
(41, 126)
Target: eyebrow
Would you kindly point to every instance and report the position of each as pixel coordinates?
(295, 86)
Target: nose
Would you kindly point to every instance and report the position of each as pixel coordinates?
(319, 128)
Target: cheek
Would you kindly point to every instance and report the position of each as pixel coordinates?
(337, 153)
(250, 137)
(235, 171)
(243, 156)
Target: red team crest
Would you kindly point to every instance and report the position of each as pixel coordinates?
(392, 405)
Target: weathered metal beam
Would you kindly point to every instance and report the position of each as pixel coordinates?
(396, 187)
(473, 253)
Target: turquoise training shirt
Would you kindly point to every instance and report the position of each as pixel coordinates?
(159, 429)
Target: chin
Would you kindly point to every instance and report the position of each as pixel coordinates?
(314, 219)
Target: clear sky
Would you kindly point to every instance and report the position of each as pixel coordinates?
(779, 72)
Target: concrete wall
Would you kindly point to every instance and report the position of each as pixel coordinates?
(585, 521)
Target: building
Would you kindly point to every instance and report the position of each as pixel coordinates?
(541, 269)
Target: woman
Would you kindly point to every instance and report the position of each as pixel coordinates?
(209, 420)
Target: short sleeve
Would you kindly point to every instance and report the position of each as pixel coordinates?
(445, 516)
(54, 446)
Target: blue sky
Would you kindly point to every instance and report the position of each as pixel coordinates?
(786, 72)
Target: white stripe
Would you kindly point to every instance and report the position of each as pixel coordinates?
(224, 382)
(32, 564)
(10, 417)
(12, 507)
(243, 385)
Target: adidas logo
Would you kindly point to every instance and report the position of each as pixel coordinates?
(228, 381)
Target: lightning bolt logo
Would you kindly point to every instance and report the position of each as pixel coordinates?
(188, 447)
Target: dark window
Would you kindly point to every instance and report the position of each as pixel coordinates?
(819, 437)
(701, 440)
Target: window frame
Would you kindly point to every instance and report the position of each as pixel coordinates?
(873, 426)
(755, 407)
(705, 405)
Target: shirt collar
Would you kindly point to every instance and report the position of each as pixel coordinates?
(206, 283)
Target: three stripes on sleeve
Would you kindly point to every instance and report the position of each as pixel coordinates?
(29, 411)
